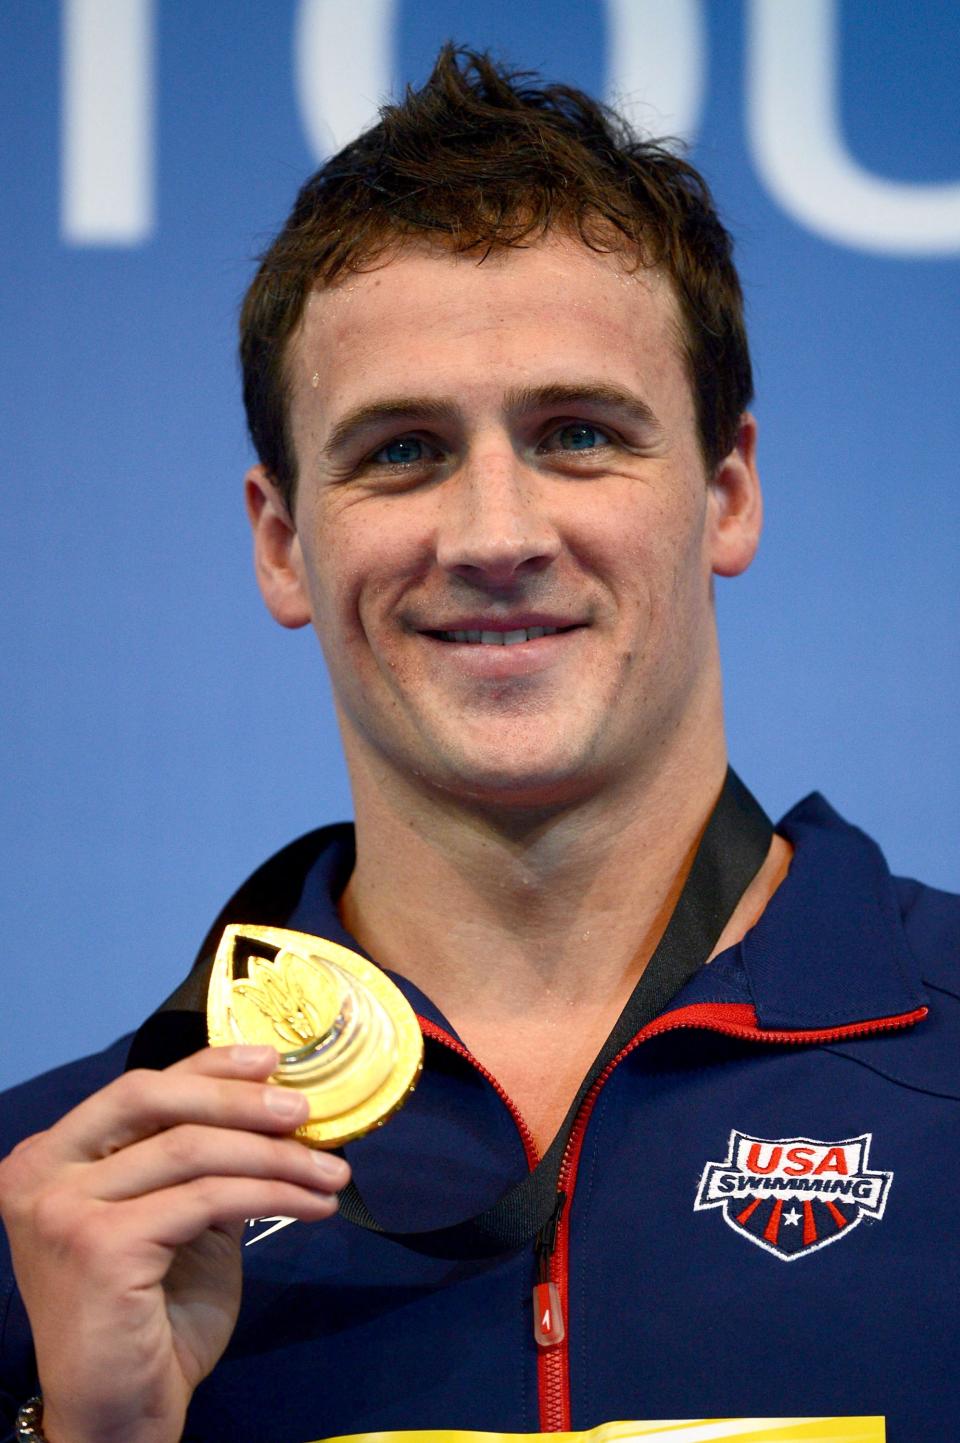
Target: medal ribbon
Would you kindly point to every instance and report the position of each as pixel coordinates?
(732, 850)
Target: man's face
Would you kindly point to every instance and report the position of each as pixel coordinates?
(504, 533)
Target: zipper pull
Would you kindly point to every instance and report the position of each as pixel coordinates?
(548, 1327)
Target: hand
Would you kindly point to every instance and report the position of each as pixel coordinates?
(125, 1221)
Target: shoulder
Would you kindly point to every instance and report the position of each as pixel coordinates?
(924, 1059)
(931, 920)
(929, 914)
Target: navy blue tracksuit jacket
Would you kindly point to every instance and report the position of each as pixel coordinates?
(763, 1194)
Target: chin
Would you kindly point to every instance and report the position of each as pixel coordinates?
(495, 784)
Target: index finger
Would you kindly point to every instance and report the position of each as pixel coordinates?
(219, 1087)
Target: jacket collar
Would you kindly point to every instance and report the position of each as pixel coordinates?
(829, 950)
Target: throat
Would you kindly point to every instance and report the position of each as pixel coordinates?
(541, 1062)
(540, 1049)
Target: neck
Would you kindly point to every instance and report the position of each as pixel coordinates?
(545, 909)
(529, 933)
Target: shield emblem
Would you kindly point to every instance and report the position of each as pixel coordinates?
(794, 1195)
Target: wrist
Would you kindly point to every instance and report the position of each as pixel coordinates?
(37, 1422)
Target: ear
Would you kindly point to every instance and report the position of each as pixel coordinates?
(736, 505)
(276, 551)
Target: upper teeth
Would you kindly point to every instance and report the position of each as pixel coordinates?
(500, 638)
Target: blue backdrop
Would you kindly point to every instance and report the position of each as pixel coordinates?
(149, 150)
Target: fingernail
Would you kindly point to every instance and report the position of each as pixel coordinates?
(252, 1057)
(333, 1169)
(291, 1105)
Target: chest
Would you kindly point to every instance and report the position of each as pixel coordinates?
(672, 1309)
(540, 1065)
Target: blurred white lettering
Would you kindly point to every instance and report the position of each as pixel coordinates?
(656, 64)
(106, 190)
(800, 153)
(656, 69)
(343, 61)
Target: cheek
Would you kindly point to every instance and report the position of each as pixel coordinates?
(364, 558)
(659, 557)
(664, 587)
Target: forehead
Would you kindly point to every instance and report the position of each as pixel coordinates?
(554, 311)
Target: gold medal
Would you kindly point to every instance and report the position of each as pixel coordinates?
(347, 1037)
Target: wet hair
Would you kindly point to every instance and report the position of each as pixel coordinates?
(482, 158)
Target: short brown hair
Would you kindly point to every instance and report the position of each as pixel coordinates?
(482, 158)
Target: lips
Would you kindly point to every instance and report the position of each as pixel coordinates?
(500, 650)
(498, 629)
(498, 638)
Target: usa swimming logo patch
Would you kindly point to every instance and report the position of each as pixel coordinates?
(793, 1195)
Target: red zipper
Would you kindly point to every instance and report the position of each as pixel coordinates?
(437, 1034)
(554, 1362)
(730, 1019)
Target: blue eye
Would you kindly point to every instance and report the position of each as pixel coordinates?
(402, 451)
(580, 436)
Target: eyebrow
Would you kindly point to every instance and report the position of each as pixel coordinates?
(519, 401)
(599, 394)
(400, 408)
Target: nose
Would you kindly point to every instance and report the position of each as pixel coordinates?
(494, 526)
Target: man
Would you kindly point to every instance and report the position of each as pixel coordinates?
(496, 375)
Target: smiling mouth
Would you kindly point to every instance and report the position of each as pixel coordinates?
(499, 638)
